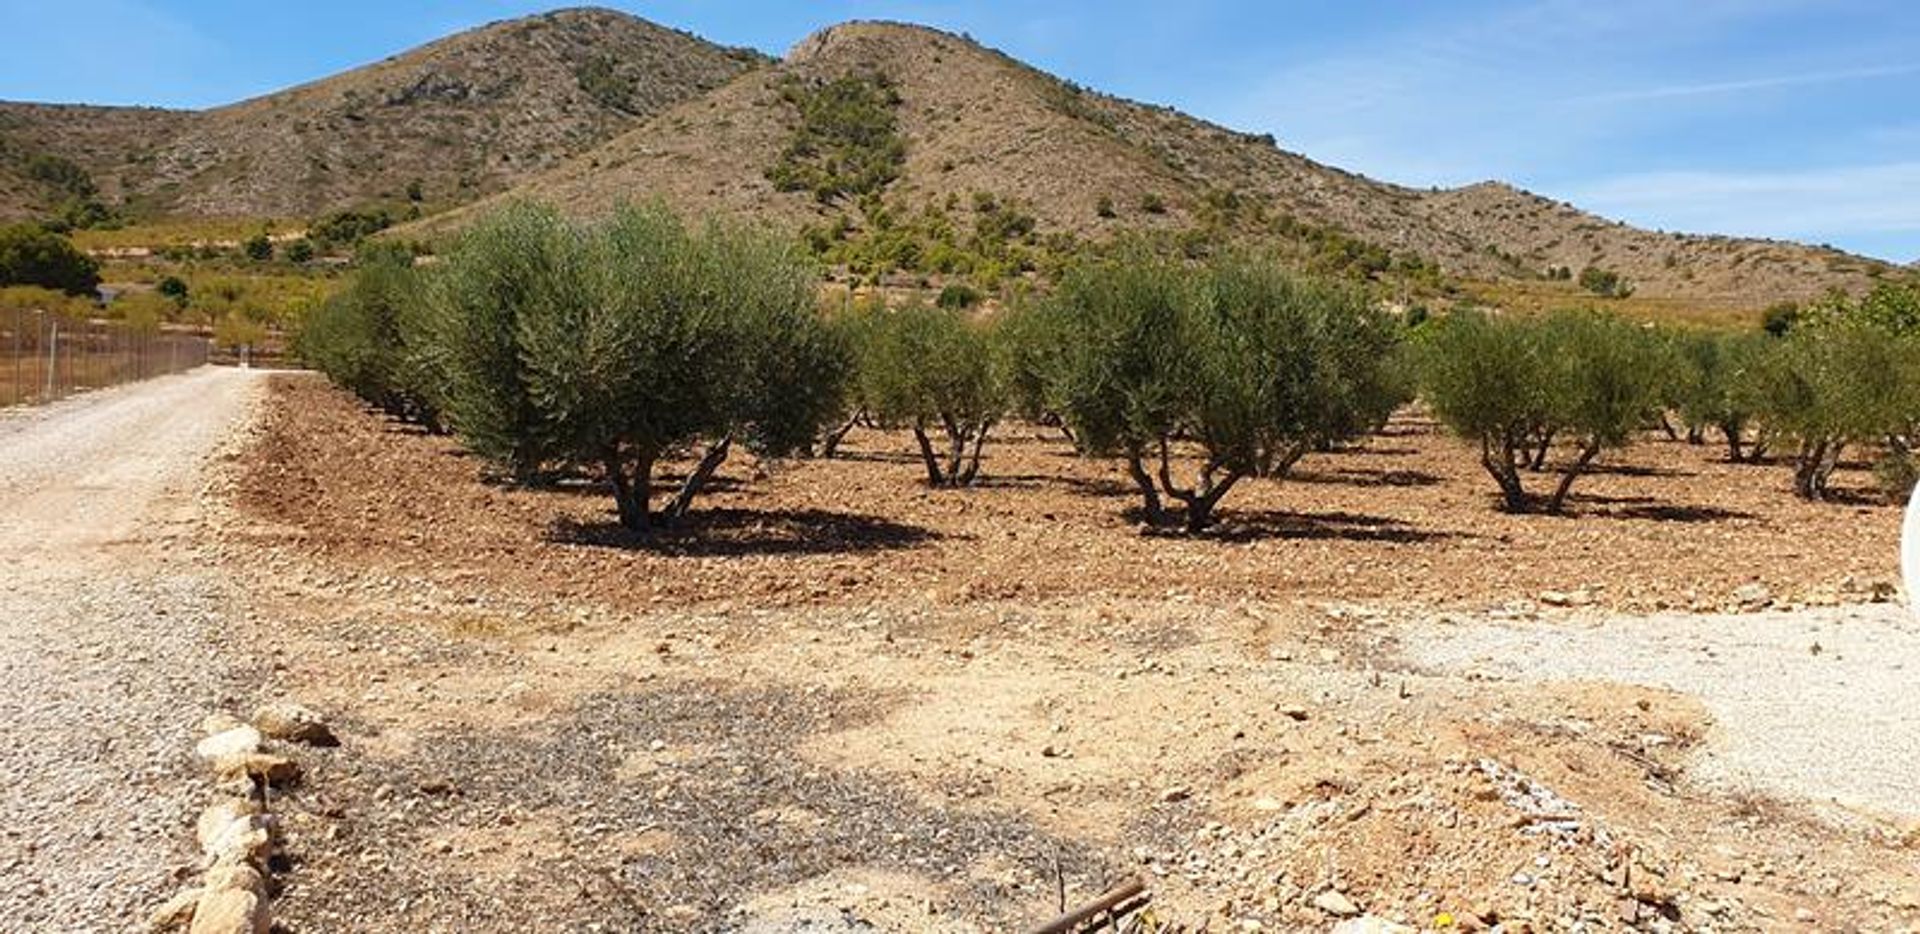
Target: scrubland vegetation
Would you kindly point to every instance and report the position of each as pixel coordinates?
(553, 347)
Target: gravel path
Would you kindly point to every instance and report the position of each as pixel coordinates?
(109, 646)
(1813, 704)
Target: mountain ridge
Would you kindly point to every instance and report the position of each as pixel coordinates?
(976, 120)
(462, 116)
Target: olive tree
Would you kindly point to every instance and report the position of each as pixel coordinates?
(505, 268)
(1833, 384)
(1253, 365)
(1517, 387)
(372, 339)
(643, 339)
(1710, 372)
(934, 370)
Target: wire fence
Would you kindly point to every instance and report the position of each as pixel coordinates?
(47, 355)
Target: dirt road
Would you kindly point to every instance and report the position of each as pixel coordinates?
(110, 648)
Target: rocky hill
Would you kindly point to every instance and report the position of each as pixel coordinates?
(975, 121)
(452, 120)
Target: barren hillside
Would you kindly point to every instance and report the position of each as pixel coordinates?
(975, 121)
(463, 116)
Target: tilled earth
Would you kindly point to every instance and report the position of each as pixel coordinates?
(848, 703)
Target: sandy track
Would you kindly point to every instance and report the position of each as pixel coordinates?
(1813, 704)
(109, 644)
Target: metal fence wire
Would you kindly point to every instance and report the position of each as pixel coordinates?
(47, 355)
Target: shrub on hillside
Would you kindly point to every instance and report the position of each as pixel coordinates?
(847, 143)
(1605, 283)
(1517, 387)
(33, 255)
(347, 228)
(1255, 366)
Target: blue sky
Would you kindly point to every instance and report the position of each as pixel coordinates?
(1797, 119)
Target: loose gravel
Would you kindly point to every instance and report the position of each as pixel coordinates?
(110, 648)
(1812, 704)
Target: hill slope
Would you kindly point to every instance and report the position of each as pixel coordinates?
(974, 120)
(463, 116)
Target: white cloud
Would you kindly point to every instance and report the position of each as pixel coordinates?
(1840, 202)
(1748, 84)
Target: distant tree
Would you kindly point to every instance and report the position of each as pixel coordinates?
(1516, 386)
(258, 247)
(347, 228)
(1709, 379)
(1255, 366)
(933, 371)
(371, 338)
(1605, 283)
(299, 251)
(175, 288)
(33, 255)
(958, 297)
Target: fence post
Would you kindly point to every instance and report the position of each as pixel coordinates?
(53, 358)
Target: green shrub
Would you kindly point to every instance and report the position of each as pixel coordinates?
(601, 80)
(1517, 386)
(1254, 365)
(847, 143)
(33, 255)
(932, 370)
(175, 288)
(299, 251)
(258, 247)
(347, 228)
(958, 297)
(1605, 283)
(1152, 203)
(1780, 318)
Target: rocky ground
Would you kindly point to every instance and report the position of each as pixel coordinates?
(113, 644)
(848, 704)
(962, 710)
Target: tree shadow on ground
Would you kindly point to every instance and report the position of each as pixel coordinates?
(1366, 477)
(1249, 525)
(1648, 509)
(1098, 488)
(1637, 470)
(664, 485)
(726, 533)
